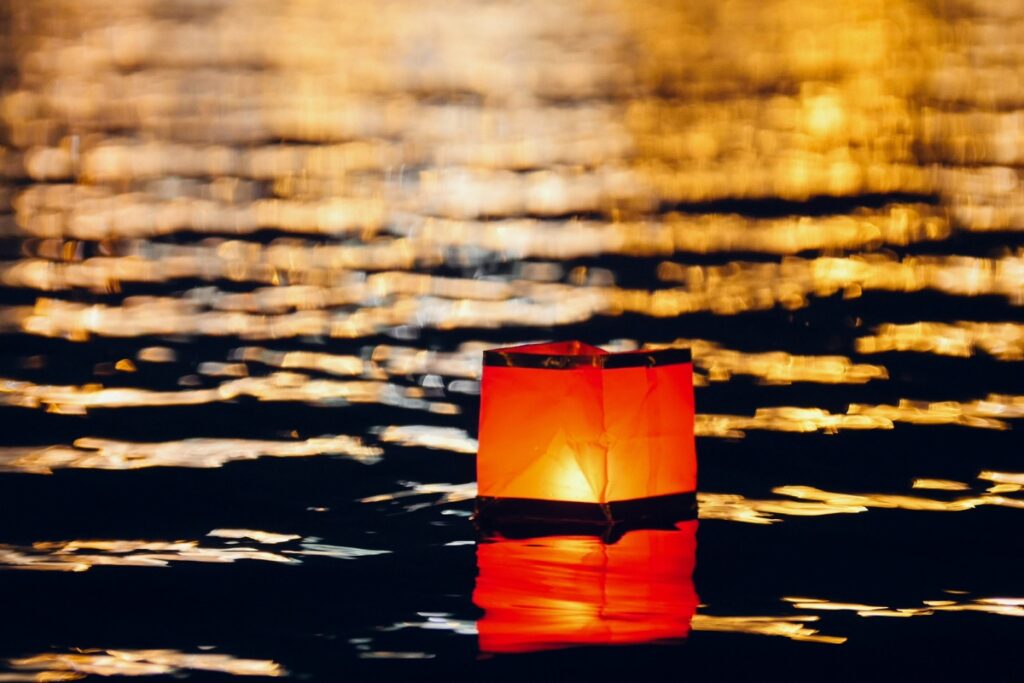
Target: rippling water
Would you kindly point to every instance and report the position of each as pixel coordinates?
(252, 253)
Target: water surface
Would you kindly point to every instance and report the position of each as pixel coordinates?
(252, 253)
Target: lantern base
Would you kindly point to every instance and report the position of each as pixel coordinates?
(653, 510)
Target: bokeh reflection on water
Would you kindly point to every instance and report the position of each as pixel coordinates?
(72, 666)
(251, 254)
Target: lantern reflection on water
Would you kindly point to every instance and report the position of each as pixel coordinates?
(561, 591)
(571, 431)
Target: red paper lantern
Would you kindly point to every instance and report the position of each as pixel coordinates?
(559, 591)
(568, 430)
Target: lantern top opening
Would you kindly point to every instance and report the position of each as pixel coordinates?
(575, 354)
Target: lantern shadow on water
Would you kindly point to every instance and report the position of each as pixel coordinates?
(551, 592)
(570, 431)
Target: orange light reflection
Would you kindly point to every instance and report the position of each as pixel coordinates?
(561, 591)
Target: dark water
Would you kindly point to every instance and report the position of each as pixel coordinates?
(252, 254)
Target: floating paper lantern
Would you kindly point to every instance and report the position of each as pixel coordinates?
(559, 591)
(570, 431)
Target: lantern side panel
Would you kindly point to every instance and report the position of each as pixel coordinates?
(542, 434)
(649, 414)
